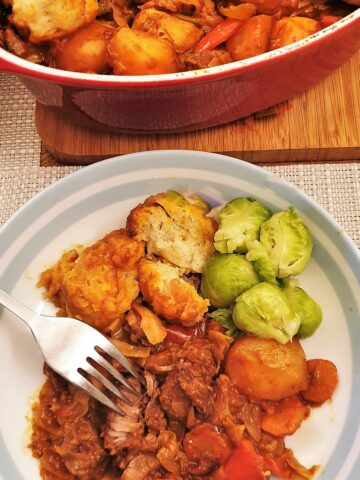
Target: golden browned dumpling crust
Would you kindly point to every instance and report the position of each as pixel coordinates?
(46, 20)
(101, 285)
(177, 231)
(170, 296)
(52, 279)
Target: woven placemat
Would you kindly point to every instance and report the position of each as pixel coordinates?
(334, 186)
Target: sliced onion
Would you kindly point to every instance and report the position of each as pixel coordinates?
(131, 350)
(150, 324)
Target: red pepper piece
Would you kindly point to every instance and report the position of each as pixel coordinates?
(217, 35)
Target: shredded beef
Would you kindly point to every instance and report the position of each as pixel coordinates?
(154, 416)
(195, 373)
(173, 399)
(211, 58)
(125, 431)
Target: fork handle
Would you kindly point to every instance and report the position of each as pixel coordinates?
(16, 307)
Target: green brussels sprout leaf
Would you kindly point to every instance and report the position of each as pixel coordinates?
(265, 311)
(240, 222)
(223, 316)
(306, 308)
(287, 241)
(263, 266)
(225, 277)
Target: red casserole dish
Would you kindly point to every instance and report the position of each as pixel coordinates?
(192, 100)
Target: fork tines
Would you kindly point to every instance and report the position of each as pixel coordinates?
(99, 377)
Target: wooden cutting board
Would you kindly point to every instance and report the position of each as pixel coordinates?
(322, 124)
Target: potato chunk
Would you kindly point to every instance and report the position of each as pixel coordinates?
(138, 53)
(265, 369)
(85, 50)
(48, 20)
(183, 35)
(289, 30)
(251, 39)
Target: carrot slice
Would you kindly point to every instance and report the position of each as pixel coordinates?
(286, 418)
(323, 379)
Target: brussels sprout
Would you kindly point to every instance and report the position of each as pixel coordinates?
(263, 266)
(306, 308)
(240, 222)
(287, 241)
(225, 276)
(265, 311)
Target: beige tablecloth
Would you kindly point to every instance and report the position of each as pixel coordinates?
(335, 186)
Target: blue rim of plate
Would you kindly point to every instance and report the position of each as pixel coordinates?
(207, 162)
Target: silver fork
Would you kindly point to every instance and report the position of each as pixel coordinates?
(68, 345)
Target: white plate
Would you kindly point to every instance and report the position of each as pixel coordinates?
(85, 205)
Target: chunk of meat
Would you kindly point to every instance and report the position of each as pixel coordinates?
(124, 431)
(234, 412)
(265, 369)
(173, 399)
(170, 296)
(122, 12)
(65, 432)
(141, 467)
(46, 20)
(153, 414)
(196, 370)
(103, 283)
(202, 10)
(81, 448)
(212, 58)
(222, 416)
(19, 47)
(174, 230)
